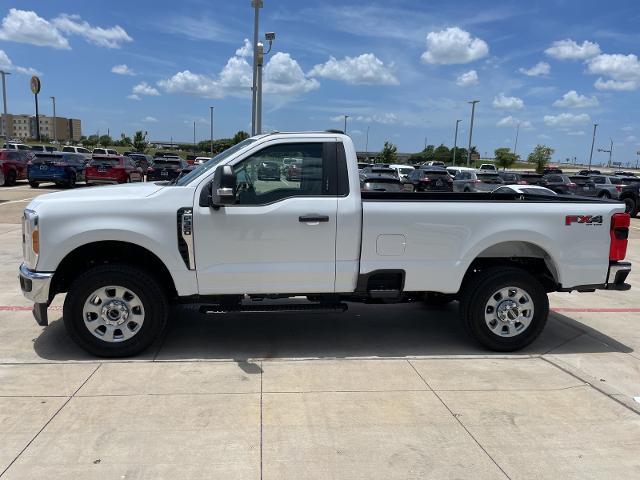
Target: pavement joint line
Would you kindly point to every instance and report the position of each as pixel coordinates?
(458, 420)
(9, 202)
(49, 421)
(593, 382)
(562, 344)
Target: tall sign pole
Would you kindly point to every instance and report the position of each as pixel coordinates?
(473, 112)
(35, 89)
(5, 119)
(455, 142)
(257, 5)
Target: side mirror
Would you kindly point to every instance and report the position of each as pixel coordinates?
(223, 187)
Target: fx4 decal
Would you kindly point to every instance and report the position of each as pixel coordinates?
(585, 219)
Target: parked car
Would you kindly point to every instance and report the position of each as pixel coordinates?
(294, 172)
(479, 181)
(589, 172)
(559, 183)
(453, 171)
(104, 151)
(490, 167)
(511, 178)
(362, 165)
(141, 160)
(435, 163)
(201, 160)
(380, 180)
(431, 179)
(551, 169)
(61, 168)
(165, 169)
(524, 189)
(13, 164)
(269, 171)
(111, 169)
(630, 195)
(403, 171)
(81, 150)
(16, 146)
(530, 178)
(622, 173)
(601, 186)
(124, 262)
(43, 148)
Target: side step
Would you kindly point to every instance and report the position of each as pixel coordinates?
(287, 307)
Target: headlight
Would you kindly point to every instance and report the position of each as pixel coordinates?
(30, 238)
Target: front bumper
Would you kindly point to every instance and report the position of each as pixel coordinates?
(35, 286)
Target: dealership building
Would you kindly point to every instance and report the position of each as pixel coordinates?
(23, 127)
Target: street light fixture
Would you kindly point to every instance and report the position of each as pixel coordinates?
(211, 147)
(257, 5)
(5, 127)
(270, 37)
(473, 111)
(610, 152)
(455, 142)
(593, 141)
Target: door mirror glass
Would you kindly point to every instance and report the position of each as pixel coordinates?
(223, 187)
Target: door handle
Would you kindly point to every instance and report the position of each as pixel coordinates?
(313, 218)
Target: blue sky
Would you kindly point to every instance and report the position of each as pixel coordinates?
(404, 69)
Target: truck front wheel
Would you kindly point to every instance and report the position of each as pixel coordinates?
(504, 308)
(115, 310)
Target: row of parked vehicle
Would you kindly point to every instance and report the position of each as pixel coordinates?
(74, 164)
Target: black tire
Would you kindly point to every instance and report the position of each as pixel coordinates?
(477, 292)
(10, 178)
(438, 299)
(152, 298)
(630, 207)
(71, 183)
(34, 184)
(467, 190)
(604, 196)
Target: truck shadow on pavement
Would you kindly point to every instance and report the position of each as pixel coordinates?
(405, 330)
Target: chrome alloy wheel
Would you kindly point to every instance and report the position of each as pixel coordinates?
(113, 313)
(509, 311)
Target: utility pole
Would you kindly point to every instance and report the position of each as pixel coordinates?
(515, 145)
(593, 141)
(194, 138)
(211, 108)
(425, 143)
(345, 124)
(610, 152)
(637, 158)
(257, 5)
(455, 142)
(473, 111)
(366, 146)
(55, 136)
(5, 126)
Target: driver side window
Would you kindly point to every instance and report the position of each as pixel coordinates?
(264, 177)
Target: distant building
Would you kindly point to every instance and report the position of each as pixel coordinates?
(23, 127)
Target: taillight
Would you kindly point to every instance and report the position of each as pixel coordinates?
(150, 170)
(522, 182)
(619, 234)
(619, 188)
(571, 185)
(425, 179)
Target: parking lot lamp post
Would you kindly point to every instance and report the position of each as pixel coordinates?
(366, 145)
(593, 141)
(5, 128)
(455, 142)
(345, 124)
(515, 145)
(473, 112)
(610, 151)
(194, 138)
(55, 136)
(211, 108)
(637, 158)
(257, 5)
(270, 37)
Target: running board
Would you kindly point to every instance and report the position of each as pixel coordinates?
(291, 307)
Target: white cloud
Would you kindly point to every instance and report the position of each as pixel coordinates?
(133, 96)
(144, 88)
(112, 37)
(627, 129)
(7, 65)
(513, 122)
(467, 79)
(283, 76)
(623, 71)
(192, 84)
(149, 119)
(631, 139)
(453, 45)
(385, 118)
(573, 99)
(365, 69)
(123, 70)
(570, 50)
(539, 69)
(246, 50)
(507, 103)
(566, 120)
(576, 133)
(25, 26)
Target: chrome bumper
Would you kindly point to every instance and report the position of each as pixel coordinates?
(35, 285)
(618, 273)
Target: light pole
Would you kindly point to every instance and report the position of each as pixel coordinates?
(473, 112)
(5, 127)
(194, 138)
(270, 37)
(211, 108)
(55, 136)
(366, 146)
(610, 152)
(637, 158)
(515, 145)
(455, 142)
(345, 124)
(257, 5)
(593, 141)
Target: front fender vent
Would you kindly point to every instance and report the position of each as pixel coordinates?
(185, 236)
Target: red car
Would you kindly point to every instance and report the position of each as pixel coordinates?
(14, 165)
(112, 169)
(294, 172)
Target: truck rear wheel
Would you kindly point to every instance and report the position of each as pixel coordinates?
(115, 310)
(504, 308)
(630, 207)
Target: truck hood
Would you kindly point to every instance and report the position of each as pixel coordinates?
(106, 193)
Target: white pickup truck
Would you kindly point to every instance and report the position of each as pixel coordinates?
(222, 238)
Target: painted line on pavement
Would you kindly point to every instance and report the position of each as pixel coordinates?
(17, 201)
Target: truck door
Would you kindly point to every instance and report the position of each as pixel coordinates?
(280, 236)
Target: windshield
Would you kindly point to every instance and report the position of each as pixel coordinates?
(196, 172)
(405, 171)
(114, 162)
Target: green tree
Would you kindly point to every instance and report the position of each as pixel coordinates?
(91, 141)
(461, 156)
(424, 156)
(442, 154)
(505, 157)
(125, 141)
(105, 140)
(389, 153)
(541, 155)
(140, 143)
(240, 136)
(44, 138)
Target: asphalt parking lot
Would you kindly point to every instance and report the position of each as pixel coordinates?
(376, 392)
